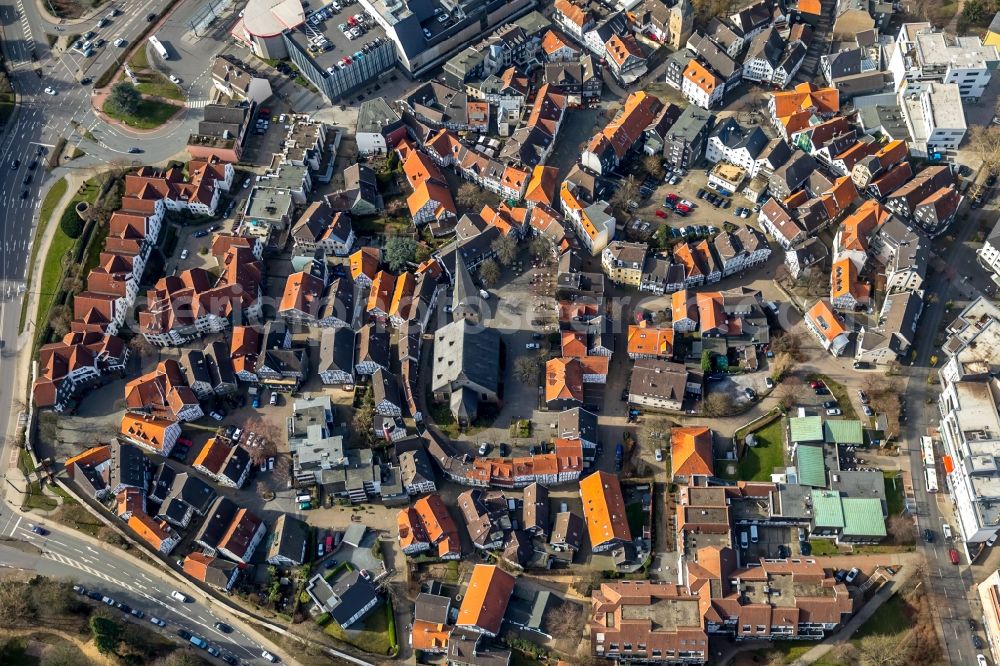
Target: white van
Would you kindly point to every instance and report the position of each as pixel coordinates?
(946, 529)
(753, 533)
(179, 596)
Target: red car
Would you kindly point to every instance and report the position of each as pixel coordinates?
(815, 384)
(683, 209)
(672, 197)
(661, 213)
(953, 555)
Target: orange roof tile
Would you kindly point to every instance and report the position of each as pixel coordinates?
(604, 508)
(152, 532)
(486, 597)
(381, 293)
(574, 343)
(151, 430)
(844, 280)
(438, 524)
(365, 262)
(691, 452)
(683, 306)
(542, 186)
(418, 168)
(430, 636)
(806, 97)
(710, 313)
(89, 458)
(563, 379)
(553, 41)
(700, 76)
(644, 340)
(825, 319)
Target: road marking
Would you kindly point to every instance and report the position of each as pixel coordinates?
(14, 529)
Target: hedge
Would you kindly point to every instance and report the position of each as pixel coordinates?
(323, 619)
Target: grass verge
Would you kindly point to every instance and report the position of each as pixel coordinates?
(52, 197)
(150, 114)
(157, 85)
(841, 396)
(36, 499)
(890, 619)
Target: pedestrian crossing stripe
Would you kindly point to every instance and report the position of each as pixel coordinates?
(197, 103)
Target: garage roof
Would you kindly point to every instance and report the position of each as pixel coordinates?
(843, 431)
(806, 428)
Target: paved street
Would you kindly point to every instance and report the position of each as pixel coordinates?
(65, 554)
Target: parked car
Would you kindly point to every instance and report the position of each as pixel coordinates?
(484, 448)
(750, 393)
(834, 412)
(186, 635)
(157, 621)
(273, 400)
(223, 627)
(179, 596)
(867, 410)
(215, 415)
(661, 213)
(768, 382)
(992, 540)
(977, 642)
(953, 556)
(270, 657)
(928, 536)
(815, 384)
(822, 390)
(852, 575)
(829, 404)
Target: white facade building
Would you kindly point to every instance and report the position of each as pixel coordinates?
(922, 54)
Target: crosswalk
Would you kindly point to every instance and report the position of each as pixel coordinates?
(69, 561)
(197, 103)
(29, 41)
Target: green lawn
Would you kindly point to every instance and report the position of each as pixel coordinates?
(157, 85)
(890, 619)
(893, 493)
(37, 500)
(371, 636)
(822, 547)
(759, 461)
(139, 59)
(149, 115)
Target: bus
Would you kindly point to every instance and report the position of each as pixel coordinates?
(158, 47)
(927, 451)
(930, 478)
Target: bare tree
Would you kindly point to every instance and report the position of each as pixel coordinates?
(789, 391)
(653, 164)
(264, 444)
(506, 250)
(567, 623)
(16, 608)
(263, 490)
(901, 530)
(472, 197)
(489, 272)
(882, 650)
(717, 404)
(628, 190)
(985, 141)
(781, 364)
(526, 369)
(540, 246)
(790, 343)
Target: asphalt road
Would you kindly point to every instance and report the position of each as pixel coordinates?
(949, 583)
(63, 554)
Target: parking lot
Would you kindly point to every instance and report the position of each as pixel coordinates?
(522, 308)
(703, 212)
